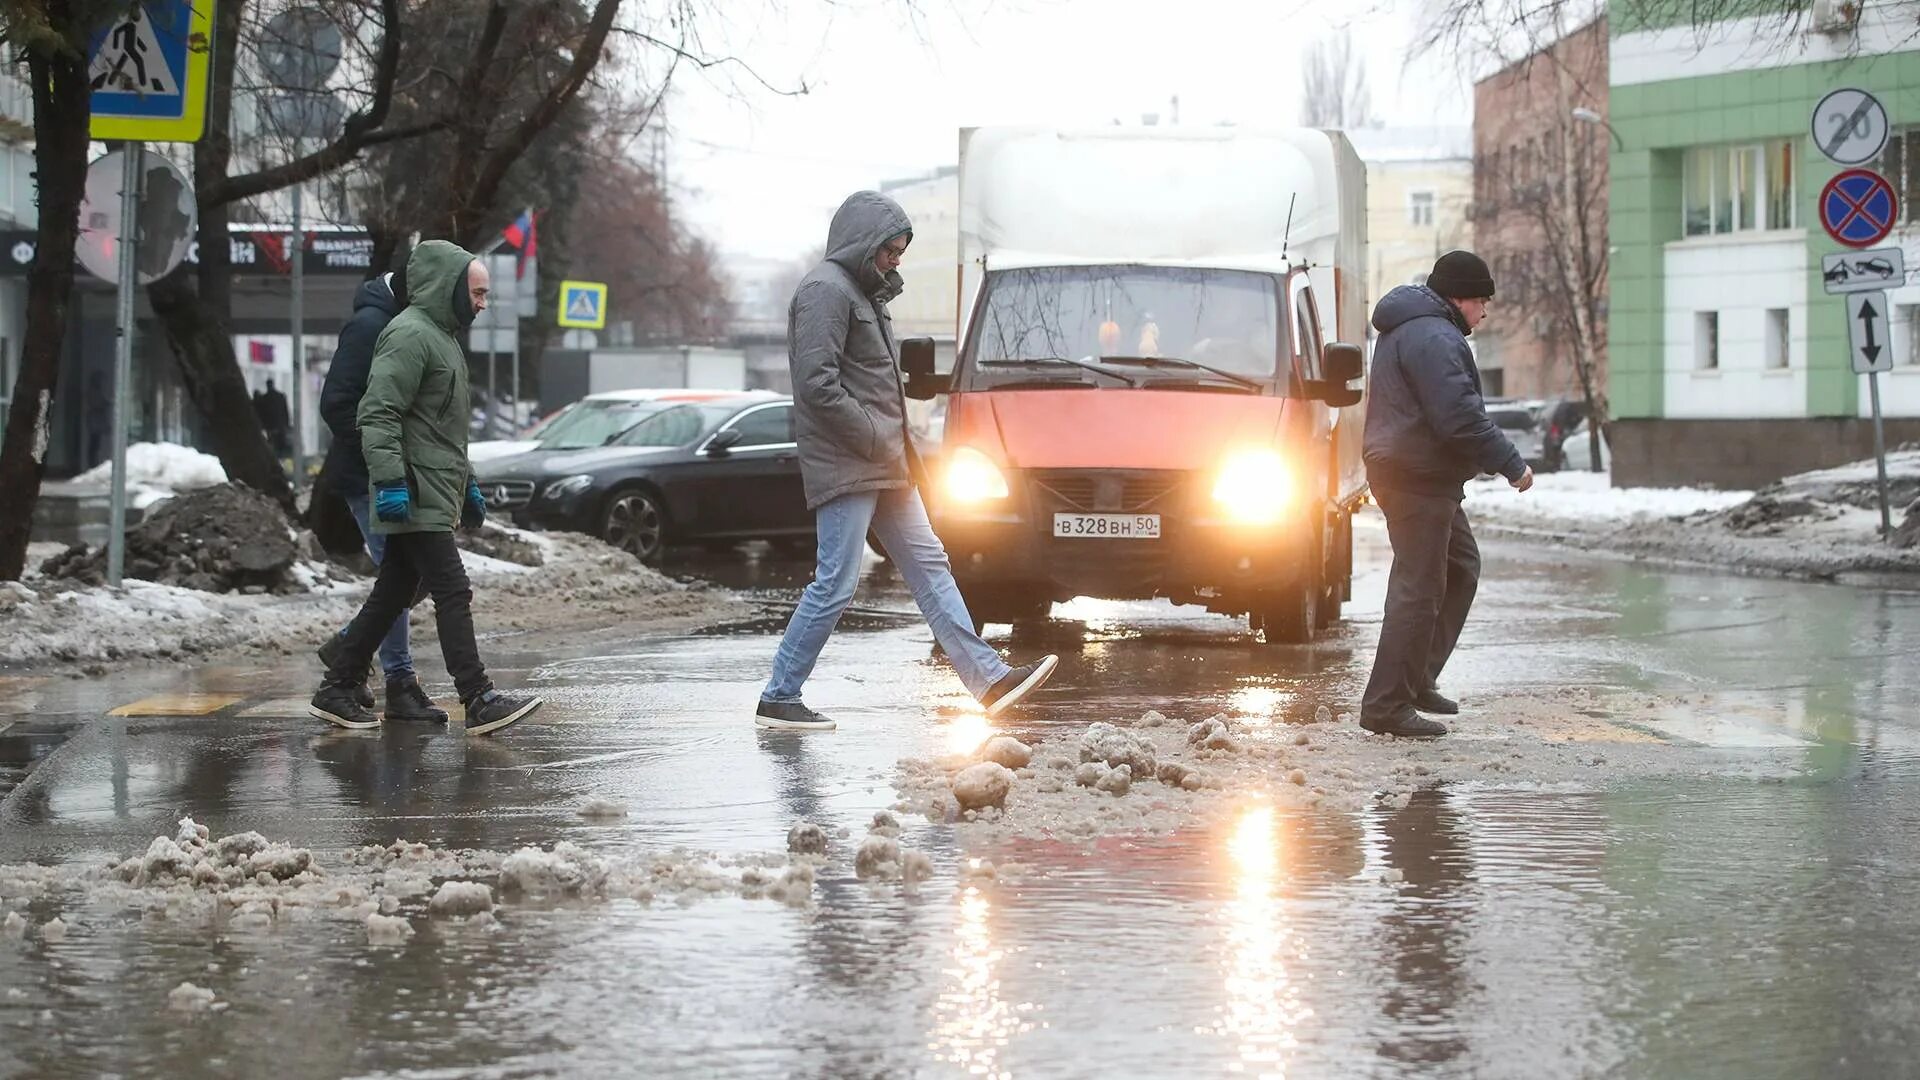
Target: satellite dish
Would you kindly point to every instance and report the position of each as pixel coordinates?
(300, 48)
(167, 216)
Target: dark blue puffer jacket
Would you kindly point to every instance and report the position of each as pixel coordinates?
(1427, 425)
(374, 306)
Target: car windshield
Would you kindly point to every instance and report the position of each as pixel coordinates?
(1117, 316)
(595, 423)
(676, 426)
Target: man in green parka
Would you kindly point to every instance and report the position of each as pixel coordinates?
(413, 434)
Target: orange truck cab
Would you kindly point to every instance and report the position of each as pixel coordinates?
(1150, 396)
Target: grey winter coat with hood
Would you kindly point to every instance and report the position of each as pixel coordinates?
(849, 410)
(1427, 424)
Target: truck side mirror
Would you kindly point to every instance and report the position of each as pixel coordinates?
(916, 362)
(1342, 363)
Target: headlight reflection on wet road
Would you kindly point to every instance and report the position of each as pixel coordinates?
(1263, 1005)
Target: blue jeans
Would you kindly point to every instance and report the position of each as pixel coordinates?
(900, 521)
(396, 655)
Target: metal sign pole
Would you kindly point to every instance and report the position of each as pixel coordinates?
(298, 251)
(493, 374)
(132, 172)
(1880, 456)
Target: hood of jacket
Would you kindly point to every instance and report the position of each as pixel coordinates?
(865, 221)
(1405, 303)
(435, 271)
(376, 293)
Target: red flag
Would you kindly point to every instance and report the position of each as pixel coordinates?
(524, 235)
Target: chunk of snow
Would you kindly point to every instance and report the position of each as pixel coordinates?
(982, 785)
(53, 931)
(461, 898)
(387, 929)
(877, 857)
(1591, 496)
(1007, 750)
(190, 998)
(165, 466)
(806, 838)
(1118, 780)
(597, 807)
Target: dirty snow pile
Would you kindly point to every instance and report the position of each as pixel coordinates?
(1154, 773)
(1817, 524)
(224, 538)
(157, 471)
(247, 883)
(562, 583)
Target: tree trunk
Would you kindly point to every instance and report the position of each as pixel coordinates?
(196, 327)
(62, 111)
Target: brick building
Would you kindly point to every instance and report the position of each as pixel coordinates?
(1540, 145)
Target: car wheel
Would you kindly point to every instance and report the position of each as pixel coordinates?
(635, 523)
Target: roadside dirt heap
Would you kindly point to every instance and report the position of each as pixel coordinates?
(225, 538)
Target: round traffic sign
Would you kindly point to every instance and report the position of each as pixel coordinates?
(166, 217)
(1858, 208)
(1850, 126)
(300, 49)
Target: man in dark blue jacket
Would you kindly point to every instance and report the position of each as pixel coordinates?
(1428, 434)
(374, 306)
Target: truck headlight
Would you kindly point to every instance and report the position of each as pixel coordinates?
(1254, 487)
(570, 485)
(973, 477)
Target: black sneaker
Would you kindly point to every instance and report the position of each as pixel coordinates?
(494, 710)
(406, 701)
(1433, 701)
(337, 705)
(1017, 684)
(1407, 725)
(790, 716)
(331, 652)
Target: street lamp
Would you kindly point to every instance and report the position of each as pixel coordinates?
(1588, 116)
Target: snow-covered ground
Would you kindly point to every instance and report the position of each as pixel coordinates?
(580, 583)
(1818, 524)
(155, 471)
(1587, 496)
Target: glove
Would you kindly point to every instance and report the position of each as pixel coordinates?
(473, 511)
(392, 502)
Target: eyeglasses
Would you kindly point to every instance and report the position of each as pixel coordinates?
(896, 252)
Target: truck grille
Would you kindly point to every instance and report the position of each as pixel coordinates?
(507, 494)
(1106, 491)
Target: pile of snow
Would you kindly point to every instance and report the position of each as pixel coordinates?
(162, 465)
(1591, 497)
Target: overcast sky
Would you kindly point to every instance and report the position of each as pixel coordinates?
(760, 174)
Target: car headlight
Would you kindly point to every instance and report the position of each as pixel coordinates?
(570, 485)
(973, 477)
(1254, 487)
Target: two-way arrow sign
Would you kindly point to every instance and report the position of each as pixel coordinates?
(1868, 330)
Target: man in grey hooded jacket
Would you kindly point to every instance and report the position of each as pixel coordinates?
(850, 422)
(1427, 434)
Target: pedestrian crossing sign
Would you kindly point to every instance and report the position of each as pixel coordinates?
(583, 305)
(148, 70)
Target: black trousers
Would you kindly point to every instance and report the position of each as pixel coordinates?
(414, 559)
(1436, 572)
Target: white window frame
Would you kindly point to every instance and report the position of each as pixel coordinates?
(1424, 199)
(1706, 341)
(1759, 156)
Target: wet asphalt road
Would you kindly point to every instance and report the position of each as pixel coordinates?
(1720, 928)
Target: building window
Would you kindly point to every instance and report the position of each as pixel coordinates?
(1420, 209)
(1776, 339)
(1900, 164)
(1706, 340)
(1738, 188)
(1907, 318)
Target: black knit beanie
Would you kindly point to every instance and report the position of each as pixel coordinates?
(1461, 275)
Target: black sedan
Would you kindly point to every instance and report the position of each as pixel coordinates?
(713, 472)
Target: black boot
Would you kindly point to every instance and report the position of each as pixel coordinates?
(1407, 725)
(494, 710)
(336, 704)
(406, 701)
(1433, 701)
(331, 651)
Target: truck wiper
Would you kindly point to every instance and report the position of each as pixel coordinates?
(1177, 361)
(1029, 361)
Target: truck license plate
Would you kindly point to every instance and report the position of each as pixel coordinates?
(1107, 526)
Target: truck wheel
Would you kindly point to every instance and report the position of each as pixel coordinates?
(1290, 616)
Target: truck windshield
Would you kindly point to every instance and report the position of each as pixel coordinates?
(1223, 320)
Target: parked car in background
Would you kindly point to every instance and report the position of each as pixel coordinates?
(1519, 421)
(716, 470)
(1558, 417)
(1576, 452)
(589, 422)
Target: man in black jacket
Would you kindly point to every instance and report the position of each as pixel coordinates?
(374, 306)
(1428, 434)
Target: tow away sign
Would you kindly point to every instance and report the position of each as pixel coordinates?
(1864, 271)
